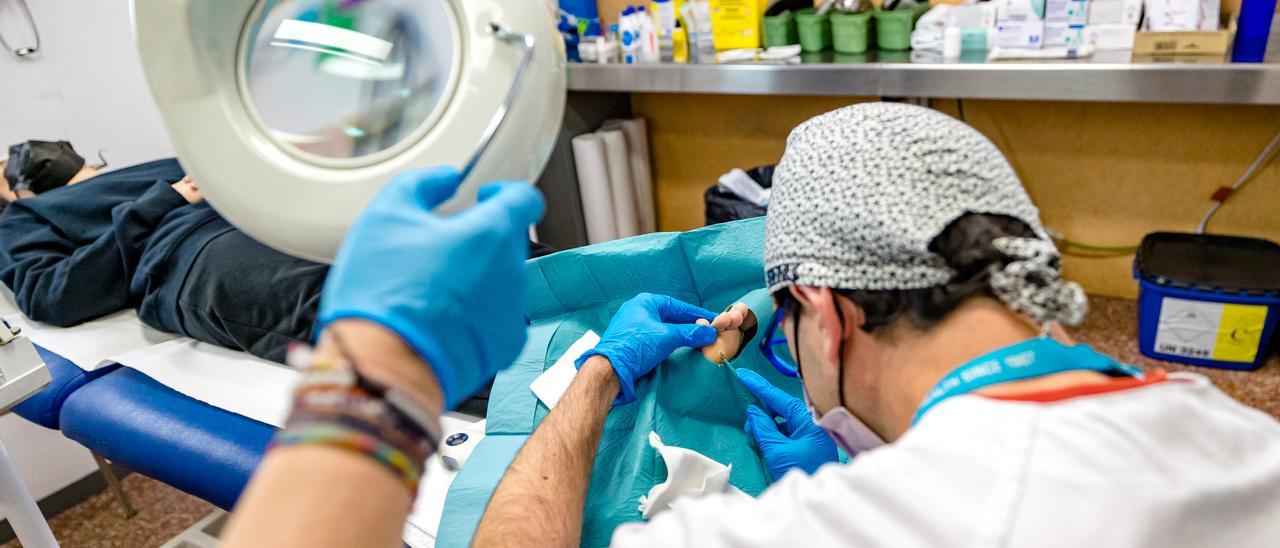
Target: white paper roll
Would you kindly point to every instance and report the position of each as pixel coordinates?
(625, 211)
(593, 184)
(637, 133)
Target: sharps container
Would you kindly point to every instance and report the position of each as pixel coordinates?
(1207, 300)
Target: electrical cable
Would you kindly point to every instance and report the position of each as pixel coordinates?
(1089, 251)
(960, 109)
(1226, 193)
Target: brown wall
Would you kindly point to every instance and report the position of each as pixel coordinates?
(1101, 173)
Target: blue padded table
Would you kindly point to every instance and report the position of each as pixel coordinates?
(134, 421)
(45, 408)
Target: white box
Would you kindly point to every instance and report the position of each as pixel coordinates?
(973, 15)
(1066, 11)
(1019, 10)
(1210, 13)
(1173, 15)
(1019, 34)
(1110, 12)
(1114, 36)
(1065, 35)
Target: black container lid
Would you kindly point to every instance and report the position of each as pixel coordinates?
(1230, 264)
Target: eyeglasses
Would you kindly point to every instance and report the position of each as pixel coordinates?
(773, 337)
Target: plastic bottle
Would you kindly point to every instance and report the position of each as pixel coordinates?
(627, 36)
(952, 40)
(648, 34)
(680, 45)
(664, 12)
(612, 52)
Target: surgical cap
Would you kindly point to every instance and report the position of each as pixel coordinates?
(862, 191)
(41, 166)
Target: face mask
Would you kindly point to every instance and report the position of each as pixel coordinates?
(847, 430)
(41, 166)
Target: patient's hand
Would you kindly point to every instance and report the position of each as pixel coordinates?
(188, 189)
(731, 324)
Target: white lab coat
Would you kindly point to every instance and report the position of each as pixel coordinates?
(1171, 464)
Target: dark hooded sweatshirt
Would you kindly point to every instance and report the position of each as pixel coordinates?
(127, 239)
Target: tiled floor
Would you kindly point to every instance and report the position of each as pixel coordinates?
(164, 512)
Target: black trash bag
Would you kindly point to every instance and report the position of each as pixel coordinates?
(724, 206)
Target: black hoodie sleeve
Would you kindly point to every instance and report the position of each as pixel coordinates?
(58, 282)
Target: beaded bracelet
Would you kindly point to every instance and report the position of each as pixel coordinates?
(335, 406)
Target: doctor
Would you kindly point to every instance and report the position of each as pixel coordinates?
(914, 286)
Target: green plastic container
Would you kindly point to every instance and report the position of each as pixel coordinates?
(814, 29)
(850, 32)
(893, 28)
(780, 30)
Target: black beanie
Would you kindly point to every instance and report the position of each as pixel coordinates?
(41, 166)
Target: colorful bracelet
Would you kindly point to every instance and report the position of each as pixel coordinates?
(335, 406)
(330, 435)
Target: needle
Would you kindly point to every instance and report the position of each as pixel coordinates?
(742, 388)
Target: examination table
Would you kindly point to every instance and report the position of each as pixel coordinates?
(132, 420)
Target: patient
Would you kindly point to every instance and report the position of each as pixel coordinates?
(143, 237)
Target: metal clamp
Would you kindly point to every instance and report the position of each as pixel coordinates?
(506, 35)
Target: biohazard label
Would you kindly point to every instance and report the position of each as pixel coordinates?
(1210, 331)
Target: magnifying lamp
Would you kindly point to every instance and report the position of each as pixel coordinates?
(291, 114)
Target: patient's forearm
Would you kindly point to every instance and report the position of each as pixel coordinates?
(310, 495)
(543, 493)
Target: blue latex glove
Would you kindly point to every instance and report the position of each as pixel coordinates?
(452, 287)
(645, 331)
(797, 444)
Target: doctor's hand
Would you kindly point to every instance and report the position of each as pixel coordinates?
(645, 331)
(452, 288)
(797, 444)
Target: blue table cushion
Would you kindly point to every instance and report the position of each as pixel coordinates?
(132, 420)
(45, 407)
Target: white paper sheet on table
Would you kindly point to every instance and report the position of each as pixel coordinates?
(226, 379)
(94, 344)
(424, 522)
(551, 385)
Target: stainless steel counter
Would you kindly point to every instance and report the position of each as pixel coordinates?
(1107, 76)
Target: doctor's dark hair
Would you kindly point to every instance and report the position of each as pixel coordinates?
(966, 246)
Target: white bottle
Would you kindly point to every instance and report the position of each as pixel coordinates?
(952, 42)
(648, 36)
(664, 11)
(627, 37)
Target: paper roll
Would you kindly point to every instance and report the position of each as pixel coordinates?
(637, 133)
(593, 184)
(625, 212)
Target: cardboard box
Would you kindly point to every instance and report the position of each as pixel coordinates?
(1068, 35)
(1066, 11)
(1198, 42)
(1019, 34)
(1110, 12)
(1112, 36)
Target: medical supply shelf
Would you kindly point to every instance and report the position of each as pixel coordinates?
(1104, 77)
